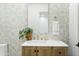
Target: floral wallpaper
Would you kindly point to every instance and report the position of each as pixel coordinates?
(14, 17)
(60, 12)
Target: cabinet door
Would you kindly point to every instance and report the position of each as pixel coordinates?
(33, 51)
(26, 51)
(43, 51)
(59, 51)
(29, 51)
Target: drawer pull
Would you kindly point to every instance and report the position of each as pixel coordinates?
(59, 52)
(34, 50)
(37, 50)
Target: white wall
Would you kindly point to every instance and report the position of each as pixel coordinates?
(73, 29)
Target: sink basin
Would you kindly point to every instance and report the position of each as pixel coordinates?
(44, 43)
(35, 42)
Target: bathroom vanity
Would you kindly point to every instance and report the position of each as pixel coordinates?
(38, 20)
(44, 48)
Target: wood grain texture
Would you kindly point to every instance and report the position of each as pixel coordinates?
(59, 51)
(44, 51)
(26, 51)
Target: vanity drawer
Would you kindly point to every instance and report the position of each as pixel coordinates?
(44, 51)
(59, 51)
(28, 51)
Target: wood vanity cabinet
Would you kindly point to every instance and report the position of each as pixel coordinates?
(44, 51)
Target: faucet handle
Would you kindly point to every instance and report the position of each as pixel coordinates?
(41, 38)
(37, 37)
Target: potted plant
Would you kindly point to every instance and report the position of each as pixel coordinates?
(26, 32)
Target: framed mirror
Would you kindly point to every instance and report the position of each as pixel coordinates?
(38, 17)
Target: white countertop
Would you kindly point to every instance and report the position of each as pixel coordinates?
(45, 43)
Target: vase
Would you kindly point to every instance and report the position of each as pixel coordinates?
(29, 36)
